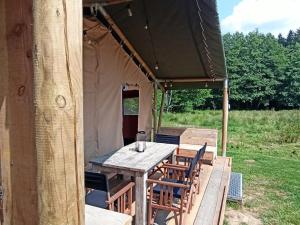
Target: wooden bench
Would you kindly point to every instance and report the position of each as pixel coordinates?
(98, 216)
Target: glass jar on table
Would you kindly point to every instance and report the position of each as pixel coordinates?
(141, 139)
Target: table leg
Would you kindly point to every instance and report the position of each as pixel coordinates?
(141, 199)
(173, 157)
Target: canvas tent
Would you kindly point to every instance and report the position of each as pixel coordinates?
(107, 69)
(179, 40)
(41, 92)
(175, 44)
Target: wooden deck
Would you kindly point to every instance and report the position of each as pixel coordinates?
(209, 205)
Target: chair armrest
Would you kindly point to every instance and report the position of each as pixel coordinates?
(184, 156)
(166, 183)
(174, 166)
(117, 195)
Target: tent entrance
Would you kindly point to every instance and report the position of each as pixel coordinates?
(130, 115)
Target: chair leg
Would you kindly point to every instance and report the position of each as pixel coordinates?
(181, 218)
(149, 214)
(198, 188)
(189, 204)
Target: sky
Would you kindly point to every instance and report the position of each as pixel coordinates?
(268, 16)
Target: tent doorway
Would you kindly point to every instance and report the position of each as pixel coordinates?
(130, 115)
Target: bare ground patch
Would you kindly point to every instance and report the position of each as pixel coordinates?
(242, 217)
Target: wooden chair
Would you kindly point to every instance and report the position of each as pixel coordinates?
(187, 160)
(98, 194)
(172, 193)
(167, 139)
(183, 173)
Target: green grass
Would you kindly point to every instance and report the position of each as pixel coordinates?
(265, 147)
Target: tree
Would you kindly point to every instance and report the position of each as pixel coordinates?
(187, 100)
(264, 73)
(289, 87)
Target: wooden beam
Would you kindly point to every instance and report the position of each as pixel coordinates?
(104, 2)
(128, 44)
(190, 80)
(225, 118)
(41, 112)
(161, 110)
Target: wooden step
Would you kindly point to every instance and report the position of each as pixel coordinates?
(212, 208)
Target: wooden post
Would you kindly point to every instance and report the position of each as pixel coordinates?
(41, 112)
(4, 133)
(154, 111)
(161, 110)
(225, 117)
(18, 155)
(141, 196)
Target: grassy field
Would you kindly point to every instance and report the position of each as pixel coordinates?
(265, 147)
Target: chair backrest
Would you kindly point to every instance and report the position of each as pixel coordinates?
(96, 181)
(195, 160)
(201, 152)
(192, 166)
(167, 139)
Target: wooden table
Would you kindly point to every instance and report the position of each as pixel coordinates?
(129, 162)
(98, 216)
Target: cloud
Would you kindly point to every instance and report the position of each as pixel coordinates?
(274, 16)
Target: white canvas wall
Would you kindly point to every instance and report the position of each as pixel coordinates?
(106, 68)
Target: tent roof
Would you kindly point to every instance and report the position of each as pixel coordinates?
(180, 40)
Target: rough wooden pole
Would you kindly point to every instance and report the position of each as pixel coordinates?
(161, 110)
(225, 117)
(18, 154)
(4, 134)
(58, 94)
(154, 111)
(41, 112)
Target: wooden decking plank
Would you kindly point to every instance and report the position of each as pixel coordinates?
(204, 179)
(222, 191)
(227, 174)
(209, 204)
(205, 215)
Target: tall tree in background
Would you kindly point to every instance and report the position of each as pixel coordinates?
(289, 83)
(254, 62)
(264, 73)
(187, 100)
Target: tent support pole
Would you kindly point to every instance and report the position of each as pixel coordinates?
(225, 117)
(154, 111)
(41, 112)
(161, 110)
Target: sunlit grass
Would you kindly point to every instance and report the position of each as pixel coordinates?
(270, 140)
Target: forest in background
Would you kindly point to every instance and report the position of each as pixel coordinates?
(263, 70)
